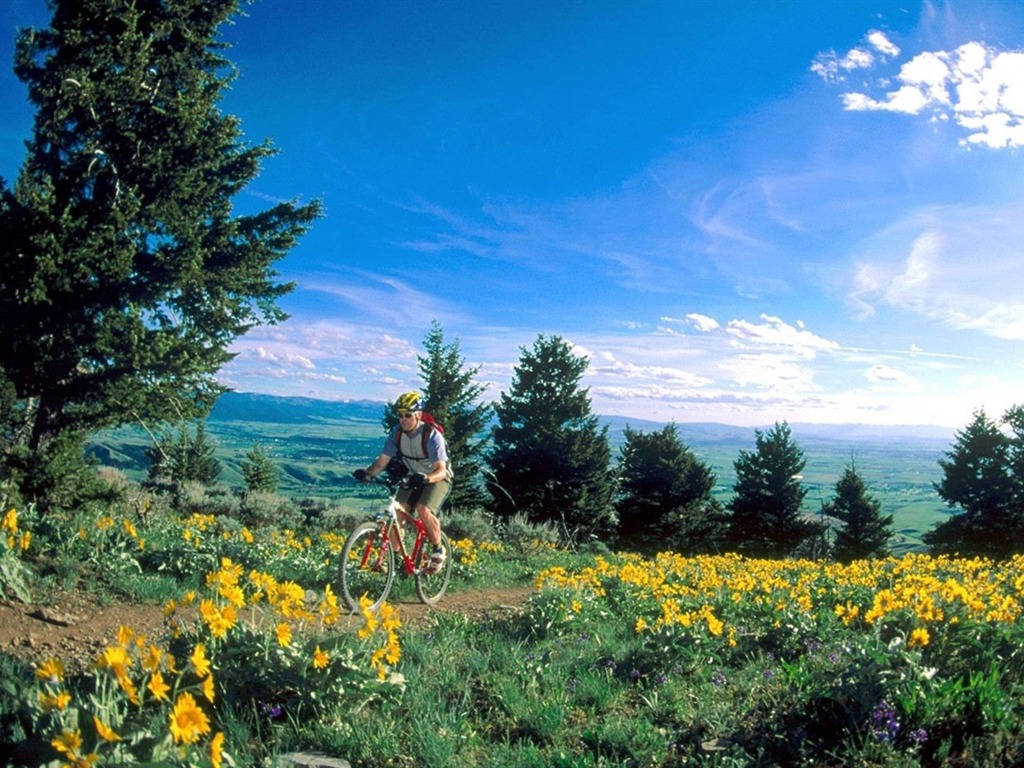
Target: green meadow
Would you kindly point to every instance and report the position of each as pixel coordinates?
(316, 444)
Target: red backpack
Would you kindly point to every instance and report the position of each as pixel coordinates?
(429, 423)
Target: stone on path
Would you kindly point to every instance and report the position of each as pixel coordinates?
(310, 760)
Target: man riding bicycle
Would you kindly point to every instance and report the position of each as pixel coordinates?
(425, 457)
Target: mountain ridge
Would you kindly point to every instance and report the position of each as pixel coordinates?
(282, 409)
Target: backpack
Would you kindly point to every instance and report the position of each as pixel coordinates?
(429, 423)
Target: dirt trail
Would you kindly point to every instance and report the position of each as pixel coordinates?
(76, 627)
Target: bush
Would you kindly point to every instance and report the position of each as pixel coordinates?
(258, 509)
(476, 526)
(195, 498)
(520, 535)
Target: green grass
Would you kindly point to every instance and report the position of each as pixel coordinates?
(618, 661)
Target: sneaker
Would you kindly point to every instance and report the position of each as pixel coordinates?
(436, 562)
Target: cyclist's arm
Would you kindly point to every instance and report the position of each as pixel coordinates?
(379, 465)
(438, 473)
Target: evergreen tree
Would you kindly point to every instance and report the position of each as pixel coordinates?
(665, 495)
(259, 471)
(865, 531)
(765, 518)
(451, 396)
(187, 457)
(981, 475)
(549, 453)
(125, 274)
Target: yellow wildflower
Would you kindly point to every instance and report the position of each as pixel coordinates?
(200, 663)
(124, 635)
(188, 722)
(320, 658)
(58, 701)
(105, 731)
(284, 634)
(116, 659)
(217, 750)
(68, 743)
(158, 687)
(209, 691)
(919, 637)
(51, 670)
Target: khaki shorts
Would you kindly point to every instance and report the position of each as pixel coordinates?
(431, 496)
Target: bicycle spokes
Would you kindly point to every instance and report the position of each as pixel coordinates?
(367, 567)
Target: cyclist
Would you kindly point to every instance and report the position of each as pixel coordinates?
(426, 460)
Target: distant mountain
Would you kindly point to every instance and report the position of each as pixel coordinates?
(248, 406)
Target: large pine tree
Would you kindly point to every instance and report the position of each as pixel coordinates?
(864, 531)
(549, 455)
(126, 274)
(766, 520)
(665, 495)
(452, 396)
(982, 474)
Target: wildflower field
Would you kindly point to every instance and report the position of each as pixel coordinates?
(615, 660)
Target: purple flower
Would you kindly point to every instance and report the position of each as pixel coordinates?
(883, 723)
(718, 679)
(271, 710)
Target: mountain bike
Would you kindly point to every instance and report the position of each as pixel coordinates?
(370, 559)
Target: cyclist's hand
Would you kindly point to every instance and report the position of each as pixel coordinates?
(415, 481)
(361, 475)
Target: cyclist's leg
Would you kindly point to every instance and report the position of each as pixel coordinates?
(428, 507)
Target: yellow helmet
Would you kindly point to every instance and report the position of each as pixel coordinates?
(410, 401)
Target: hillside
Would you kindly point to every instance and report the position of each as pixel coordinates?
(316, 444)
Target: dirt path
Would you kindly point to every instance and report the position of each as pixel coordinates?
(76, 627)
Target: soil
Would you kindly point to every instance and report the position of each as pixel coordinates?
(76, 626)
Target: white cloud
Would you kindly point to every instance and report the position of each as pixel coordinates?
(614, 368)
(978, 87)
(771, 372)
(291, 360)
(702, 322)
(832, 67)
(882, 44)
(885, 374)
(776, 333)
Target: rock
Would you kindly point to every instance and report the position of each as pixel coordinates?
(310, 760)
(52, 616)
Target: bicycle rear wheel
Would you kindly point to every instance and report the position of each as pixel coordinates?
(430, 588)
(367, 567)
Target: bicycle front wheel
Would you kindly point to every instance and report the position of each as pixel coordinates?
(367, 567)
(430, 587)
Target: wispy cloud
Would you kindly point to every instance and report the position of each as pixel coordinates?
(958, 265)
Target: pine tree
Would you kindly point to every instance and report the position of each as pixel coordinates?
(665, 495)
(186, 457)
(765, 518)
(981, 475)
(125, 273)
(865, 531)
(259, 471)
(452, 396)
(549, 454)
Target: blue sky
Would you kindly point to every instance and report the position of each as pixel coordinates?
(742, 212)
